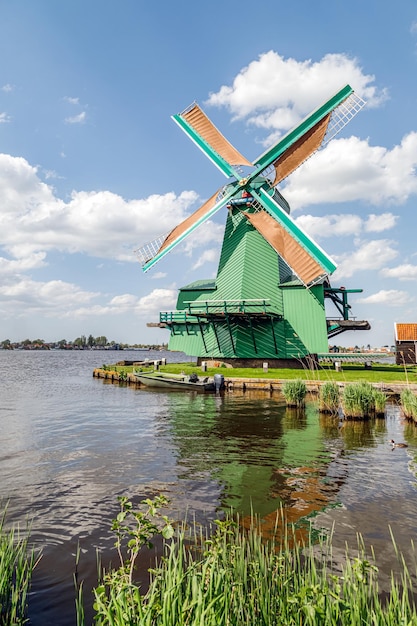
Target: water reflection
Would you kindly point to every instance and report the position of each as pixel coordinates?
(253, 447)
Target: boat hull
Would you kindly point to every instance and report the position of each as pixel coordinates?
(164, 382)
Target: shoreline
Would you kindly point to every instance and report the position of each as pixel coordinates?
(267, 385)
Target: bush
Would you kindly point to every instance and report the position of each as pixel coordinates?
(294, 392)
(408, 401)
(329, 397)
(380, 401)
(358, 400)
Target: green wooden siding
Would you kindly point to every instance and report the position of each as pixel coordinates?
(249, 269)
(306, 319)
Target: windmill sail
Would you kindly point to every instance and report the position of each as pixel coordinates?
(152, 252)
(304, 256)
(195, 123)
(300, 151)
(296, 256)
(307, 259)
(313, 133)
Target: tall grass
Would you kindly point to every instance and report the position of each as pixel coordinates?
(329, 397)
(234, 576)
(294, 392)
(358, 400)
(408, 401)
(16, 566)
(380, 401)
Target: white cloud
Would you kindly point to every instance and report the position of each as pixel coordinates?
(33, 219)
(157, 300)
(379, 223)
(209, 233)
(71, 100)
(4, 118)
(406, 271)
(51, 174)
(146, 306)
(14, 267)
(349, 170)
(27, 297)
(344, 224)
(76, 119)
(8, 88)
(390, 297)
(210, 255)
(276, 93)
(370, 255)
(158, 275)
(330, 225)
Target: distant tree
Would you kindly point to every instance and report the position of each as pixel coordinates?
(6, 344)
(80, 342)
(91, 341)
(26, 342)
(61, 344)
(101, 341)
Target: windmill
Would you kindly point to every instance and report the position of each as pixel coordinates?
(268, 298)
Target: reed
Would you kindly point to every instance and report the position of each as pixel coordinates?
(16, 566)
(380, 401)
(294, 392)
(408, 401)
(358, 400)
(329, 397)
(235, 576)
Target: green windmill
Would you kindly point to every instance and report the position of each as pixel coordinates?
(268, 298)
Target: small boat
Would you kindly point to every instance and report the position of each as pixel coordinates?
(175, 381)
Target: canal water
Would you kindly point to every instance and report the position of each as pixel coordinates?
(71, 443)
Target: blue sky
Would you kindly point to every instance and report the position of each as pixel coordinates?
(92, 166)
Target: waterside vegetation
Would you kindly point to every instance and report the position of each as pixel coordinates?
(348, 393)
(17, 563)
(294, 392)
(235, 575)
(358, 400)
(379, 373)
(329, 397)
(408, 401)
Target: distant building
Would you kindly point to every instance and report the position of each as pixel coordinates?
(405, 344)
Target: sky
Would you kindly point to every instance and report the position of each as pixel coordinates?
(92, 166)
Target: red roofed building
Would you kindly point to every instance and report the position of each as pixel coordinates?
(405, 344)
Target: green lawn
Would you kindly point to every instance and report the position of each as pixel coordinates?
(379, 373)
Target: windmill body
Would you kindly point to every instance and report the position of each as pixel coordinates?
(268, 298)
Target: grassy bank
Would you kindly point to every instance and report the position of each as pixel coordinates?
(379, 373)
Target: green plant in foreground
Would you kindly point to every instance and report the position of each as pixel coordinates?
(358, 400)
(233, 576)
(408, 401)
(123, 376)
(294, 392)
(329, 397)
(380, 401)
(16, 566)
(117, 598)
